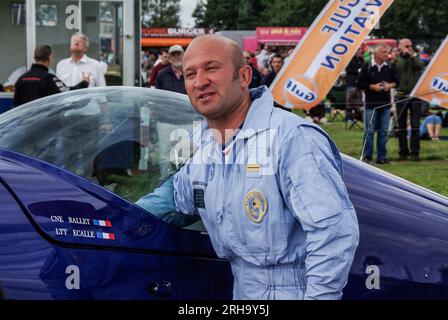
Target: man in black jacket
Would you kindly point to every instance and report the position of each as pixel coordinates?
(37, 82)
(377, 78)
(409, 68)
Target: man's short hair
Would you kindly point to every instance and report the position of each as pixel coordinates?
(42, 53)
(83, 37)
(164, 50)
(277, 55)
(381, 46)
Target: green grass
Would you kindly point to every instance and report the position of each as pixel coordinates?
(431, 172)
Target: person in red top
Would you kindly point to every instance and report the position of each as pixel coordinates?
(164, 62)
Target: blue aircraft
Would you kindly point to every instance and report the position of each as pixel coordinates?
(73, 165)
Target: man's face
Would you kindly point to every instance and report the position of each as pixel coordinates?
(277, 64)
(175, 59)
(381, 55)
(210, 79)
(164, 58)
(78, 45)
(405, 45)
(247, 57)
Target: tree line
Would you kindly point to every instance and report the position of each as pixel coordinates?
(416, 19)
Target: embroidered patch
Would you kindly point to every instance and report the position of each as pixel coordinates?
(255, 205)
(198, 197)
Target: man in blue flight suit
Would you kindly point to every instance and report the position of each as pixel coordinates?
(266, 183)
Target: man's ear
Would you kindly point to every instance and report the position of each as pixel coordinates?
(245, 76)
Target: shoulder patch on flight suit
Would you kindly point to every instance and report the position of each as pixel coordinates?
(255, 205)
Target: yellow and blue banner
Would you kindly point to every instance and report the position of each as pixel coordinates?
(326, 49)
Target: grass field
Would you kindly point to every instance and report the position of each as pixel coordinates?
(431, 172)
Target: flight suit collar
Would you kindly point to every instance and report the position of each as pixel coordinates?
(259, 115)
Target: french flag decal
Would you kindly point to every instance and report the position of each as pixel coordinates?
(105, 235)
(102, 223)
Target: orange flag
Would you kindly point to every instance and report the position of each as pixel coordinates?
(326, 49)
(433, 84)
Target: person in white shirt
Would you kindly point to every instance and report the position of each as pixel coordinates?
(71, 70)
(81, 125)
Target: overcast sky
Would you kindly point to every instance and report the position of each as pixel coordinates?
(186, 9)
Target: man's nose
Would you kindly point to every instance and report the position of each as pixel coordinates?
(201, 80)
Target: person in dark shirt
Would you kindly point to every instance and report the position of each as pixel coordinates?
(409, 68)
(256, 76)
(164, 62)
(377, 78)
(276, 65)
(172, 78)
(37, 82)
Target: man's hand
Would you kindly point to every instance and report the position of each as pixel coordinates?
(377, 87)
(86, 76)
(388, 86)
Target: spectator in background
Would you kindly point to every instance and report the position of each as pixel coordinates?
(409, 68)
(256, 76)
(38, 82)
(317, 114)
(430, 127)
(172, 78)
(264, 57)
(395, 52)
(377, 78)
(72, 70)
(276, 65)
(352, 74)
(367, 56)
(288, 55)
(164, 62)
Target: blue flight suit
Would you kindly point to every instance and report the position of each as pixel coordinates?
(274, 204)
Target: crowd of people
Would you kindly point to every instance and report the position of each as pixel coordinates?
(377, 85)
(387, 79)
(265, 64)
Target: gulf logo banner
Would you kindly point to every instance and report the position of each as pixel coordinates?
(326, 49)
(433, 84)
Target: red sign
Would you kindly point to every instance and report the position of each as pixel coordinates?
(174, 32)
(280, 33)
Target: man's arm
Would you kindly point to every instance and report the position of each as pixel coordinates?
(183, 195)
(17, 101)
(416, 62)
(363, 78)
(312, 186)
(83, 84)
(161, 204)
